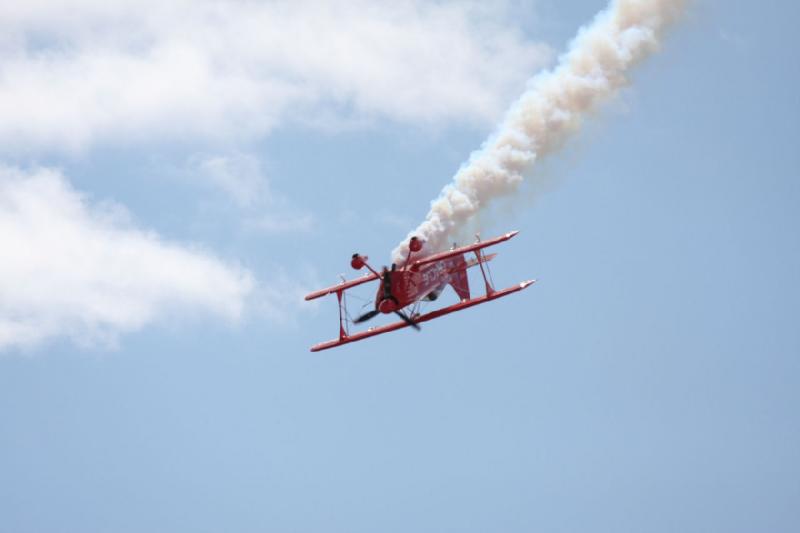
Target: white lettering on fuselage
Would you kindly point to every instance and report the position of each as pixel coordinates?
(423, 282)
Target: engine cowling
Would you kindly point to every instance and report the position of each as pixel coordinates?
(387, 306)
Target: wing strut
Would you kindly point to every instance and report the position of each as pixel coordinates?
(481, 261)
(342, 330)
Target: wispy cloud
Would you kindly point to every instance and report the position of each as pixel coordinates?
(77, 73)
(238, 175)
(281, 223)
(241, 177)
(80, 269)
(282, 300)
(393, 220)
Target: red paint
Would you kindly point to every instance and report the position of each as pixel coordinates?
(401, 287)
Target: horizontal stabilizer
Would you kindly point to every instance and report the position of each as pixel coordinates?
(485, 259)
(462, 250)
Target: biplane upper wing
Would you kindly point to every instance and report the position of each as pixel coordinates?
(462, 250)
(344, 285)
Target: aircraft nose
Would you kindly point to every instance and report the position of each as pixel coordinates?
(387, 306)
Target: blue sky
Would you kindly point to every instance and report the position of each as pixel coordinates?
(173, 181)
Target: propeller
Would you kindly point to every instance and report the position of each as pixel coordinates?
(387, 283)
(366, 316)
(407, 320)
(387, 294)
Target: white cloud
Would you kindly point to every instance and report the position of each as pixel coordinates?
(73, 74)
(82, 270)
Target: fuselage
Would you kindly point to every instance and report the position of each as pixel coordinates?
(408, 285)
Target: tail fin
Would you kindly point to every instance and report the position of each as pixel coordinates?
(460, 283)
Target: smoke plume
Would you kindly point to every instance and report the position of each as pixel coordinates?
(552, 107)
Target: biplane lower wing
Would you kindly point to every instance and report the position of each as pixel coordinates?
(494, 295)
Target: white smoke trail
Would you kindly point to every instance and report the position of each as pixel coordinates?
(593, 69)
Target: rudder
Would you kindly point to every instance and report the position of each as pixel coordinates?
(460, 283)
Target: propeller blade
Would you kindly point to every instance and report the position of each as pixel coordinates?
(366, 316)
(408, 320)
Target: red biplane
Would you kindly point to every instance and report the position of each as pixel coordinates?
(411, 284)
